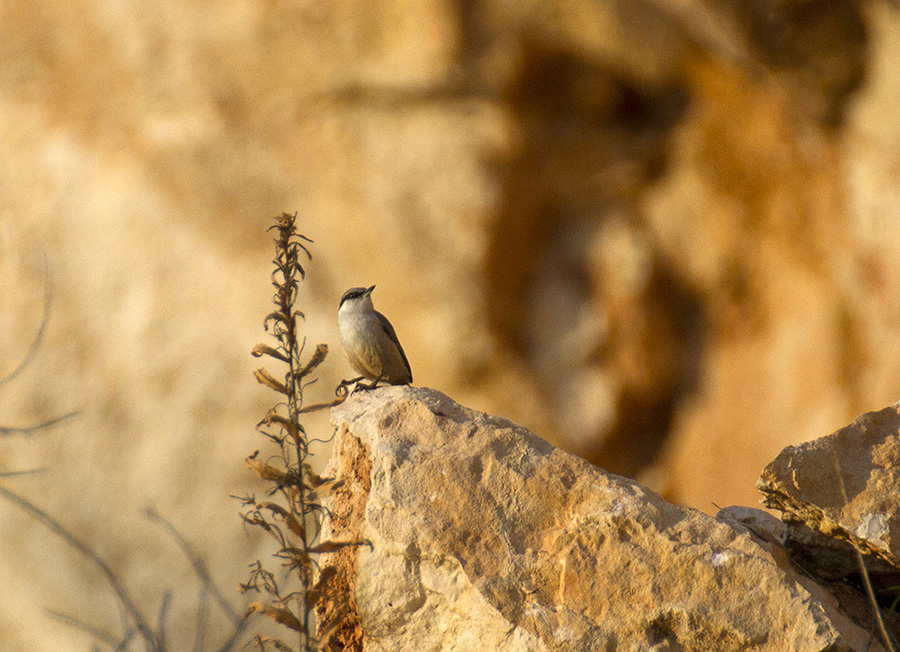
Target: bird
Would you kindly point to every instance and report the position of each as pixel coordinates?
(370, 341)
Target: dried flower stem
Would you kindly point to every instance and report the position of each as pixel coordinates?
(295, 522)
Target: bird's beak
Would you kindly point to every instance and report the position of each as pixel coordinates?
(369, 291)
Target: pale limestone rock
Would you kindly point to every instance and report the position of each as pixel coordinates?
(846, 484)
(485, 536)
(839, 491)
(845, 603)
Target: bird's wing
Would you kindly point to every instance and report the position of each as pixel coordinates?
(386, 325)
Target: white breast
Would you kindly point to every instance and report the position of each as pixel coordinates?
(359, 337)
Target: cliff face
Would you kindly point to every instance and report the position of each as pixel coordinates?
(485, 536)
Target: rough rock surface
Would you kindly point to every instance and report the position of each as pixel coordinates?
(840, 490)
(485, 536)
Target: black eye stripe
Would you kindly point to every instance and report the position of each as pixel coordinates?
(353, 293)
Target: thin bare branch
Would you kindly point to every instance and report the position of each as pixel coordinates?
(114, 581)
(27, 430)
(125, 642)
(202, 619)
(161, 619)
(315, 407)
(12, 474)
(867, 582)
(39, 336)
(73, 621)
(200, 567)
(232, 641)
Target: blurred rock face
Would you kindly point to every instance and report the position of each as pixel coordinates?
(662, 235)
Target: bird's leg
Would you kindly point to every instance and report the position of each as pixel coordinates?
(371, 385)
(344, 384)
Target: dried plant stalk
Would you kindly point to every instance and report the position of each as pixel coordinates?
(293, 514)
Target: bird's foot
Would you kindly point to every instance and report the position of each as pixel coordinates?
(343, 390)
(372, 385)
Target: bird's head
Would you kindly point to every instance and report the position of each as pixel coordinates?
(357, 299)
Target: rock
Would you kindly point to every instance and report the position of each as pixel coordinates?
(485, 536)
(842, 491)
(772, 534)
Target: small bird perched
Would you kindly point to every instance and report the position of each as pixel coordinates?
(370, 341)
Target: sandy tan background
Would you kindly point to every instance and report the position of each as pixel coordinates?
(663, 235)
